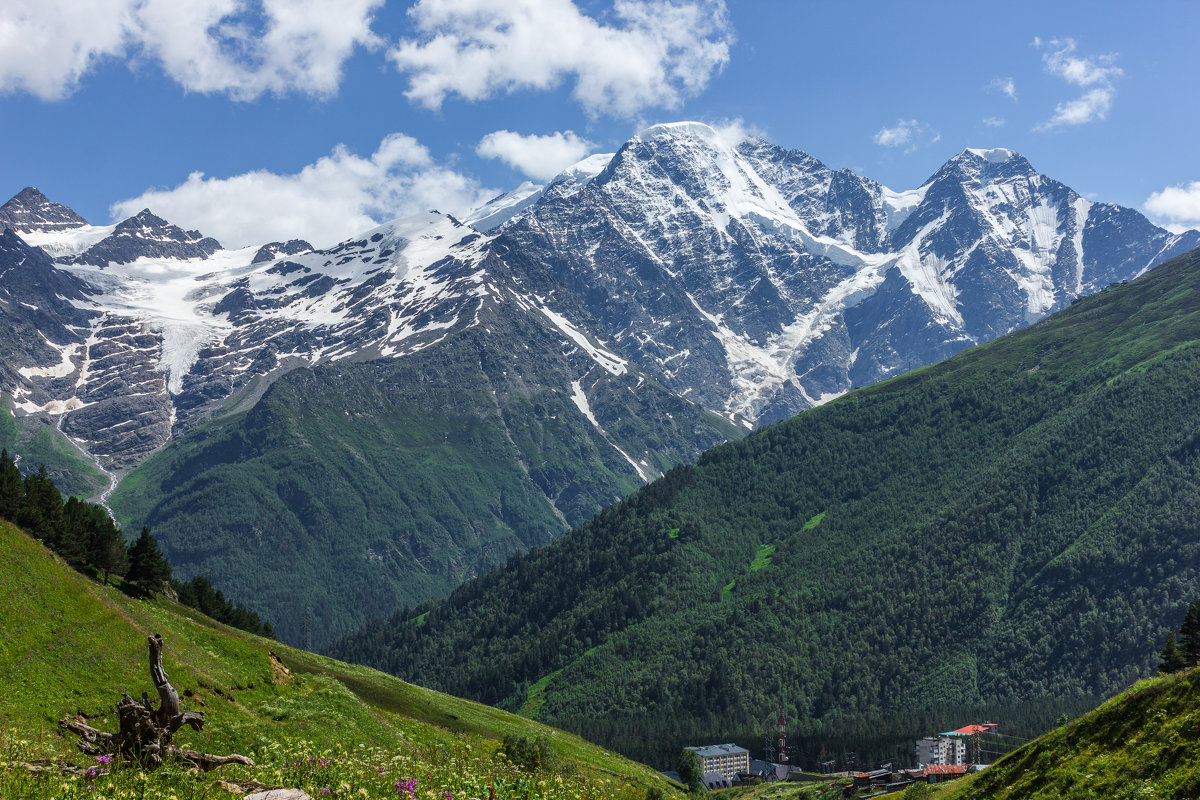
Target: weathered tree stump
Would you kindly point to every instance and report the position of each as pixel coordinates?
(145, 732)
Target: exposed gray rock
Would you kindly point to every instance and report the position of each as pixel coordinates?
(147, 236)
(30, 210)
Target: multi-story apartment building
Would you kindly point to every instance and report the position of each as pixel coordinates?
(727, 759)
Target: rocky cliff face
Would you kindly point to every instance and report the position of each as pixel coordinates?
(760, 282)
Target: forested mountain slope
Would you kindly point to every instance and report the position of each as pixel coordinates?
(1013, 528)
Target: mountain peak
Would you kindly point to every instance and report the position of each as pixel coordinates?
(690, 130)
(147, 218)
(146, 234)
(29, 196)
(995, 155)
(986, 165)
(30, 210)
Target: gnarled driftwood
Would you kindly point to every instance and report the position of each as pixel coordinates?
(145, 732)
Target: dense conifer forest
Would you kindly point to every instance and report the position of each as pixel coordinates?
(1007, 534)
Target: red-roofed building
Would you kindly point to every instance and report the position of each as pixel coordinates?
(973, 730)
(952, 747)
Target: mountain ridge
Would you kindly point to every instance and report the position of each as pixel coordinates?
(644, 306)
(1013, 526)
(815, 314)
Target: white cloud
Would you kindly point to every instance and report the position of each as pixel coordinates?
(906, 133)
(243, 47)
(1094, 73)
(1179, 206)
(538, 157)
(895, 137)
(1006, 86)
(47, 45)
(655, 53)
(336, 197)
(994, 122)
(1091, 105)
(735, 131)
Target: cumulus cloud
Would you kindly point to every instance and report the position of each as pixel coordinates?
(654, 53)
(1006, 86)
(906, 133)
(243, 47)
(1178, 206)
(538, 157)
(1096, 74)
(47, 45)
(901, 134)
(337, 196)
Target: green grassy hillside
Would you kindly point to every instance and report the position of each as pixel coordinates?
(71, 646)
(1144, 743)
(1008, 534)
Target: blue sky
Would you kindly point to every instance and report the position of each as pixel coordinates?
(314, 117)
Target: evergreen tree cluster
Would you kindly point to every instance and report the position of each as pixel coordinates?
(1182, 649)
(82, 534)
(85, 536)
(691, 771)
(199, 594)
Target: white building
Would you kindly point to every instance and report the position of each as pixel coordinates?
(950, 749)
(942, 750)
(727, 759)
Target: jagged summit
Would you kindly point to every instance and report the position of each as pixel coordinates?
(147, 235)
(995, 155)
(986, 166)
(273, 250)
(30, 210)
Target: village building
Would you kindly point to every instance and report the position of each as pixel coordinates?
(952, 747)
(715, 780)
(727, 759)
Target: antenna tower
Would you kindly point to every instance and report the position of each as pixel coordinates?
(783, 755)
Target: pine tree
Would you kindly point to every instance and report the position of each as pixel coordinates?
(148, 568)
(106, 550)
(691, 770)
(1171, 655)
(1189, 636)
(11, 491)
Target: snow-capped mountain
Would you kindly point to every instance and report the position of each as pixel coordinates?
(505, 417)
(411, 406)
(759, 282)
(177, 324)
